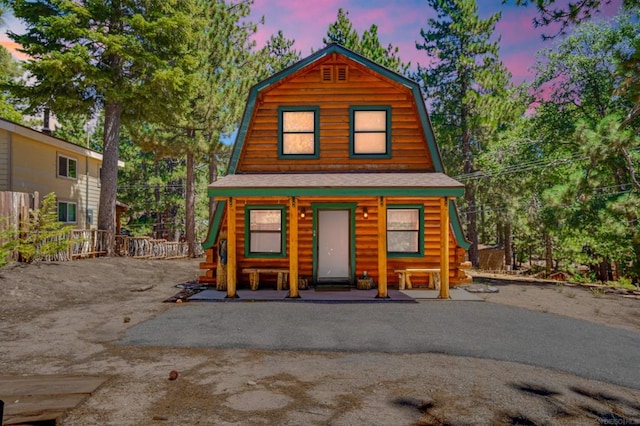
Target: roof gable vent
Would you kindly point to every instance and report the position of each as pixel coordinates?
(343, 73)
(327, 74)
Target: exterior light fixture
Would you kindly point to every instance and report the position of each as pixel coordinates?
(365, 213)
(303, 213)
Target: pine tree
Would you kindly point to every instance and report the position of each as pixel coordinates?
(9, 71)
(127, 57)
(227, 65)
(585, 118)
(342, 32)
(45, 236)
(465, 83)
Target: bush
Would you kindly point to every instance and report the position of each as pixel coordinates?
(45, 235)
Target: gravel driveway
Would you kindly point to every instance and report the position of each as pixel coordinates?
(482, 330)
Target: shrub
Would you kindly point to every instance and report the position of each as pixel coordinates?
(46, 235)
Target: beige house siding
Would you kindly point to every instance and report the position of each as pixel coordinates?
(31, 160)
(5, 160)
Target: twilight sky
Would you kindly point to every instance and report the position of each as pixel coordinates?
(399, 23)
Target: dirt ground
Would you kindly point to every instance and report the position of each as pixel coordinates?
(64, 318)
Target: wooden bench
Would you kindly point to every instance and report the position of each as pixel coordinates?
(404, 277)
(254, 276)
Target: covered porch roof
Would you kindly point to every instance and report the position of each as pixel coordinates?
(340, 184)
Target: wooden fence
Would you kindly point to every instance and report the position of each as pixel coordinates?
(14, 207)
(148, 248)
(88, 243)
(93, 243)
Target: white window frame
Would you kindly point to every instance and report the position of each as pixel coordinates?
(67, 204)
(67, 162)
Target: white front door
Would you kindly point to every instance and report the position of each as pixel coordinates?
(334, 236)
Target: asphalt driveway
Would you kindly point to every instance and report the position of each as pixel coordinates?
(482, 330)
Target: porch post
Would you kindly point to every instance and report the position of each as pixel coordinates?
(231, 248)
(293, 248)
(444, 248)
(382, 249)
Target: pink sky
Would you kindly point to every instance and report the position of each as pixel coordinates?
(399, 24)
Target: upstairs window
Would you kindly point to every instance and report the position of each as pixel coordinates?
(67, 167)
(266, 231)
(405, 231)
(370, 132)
(298, 132)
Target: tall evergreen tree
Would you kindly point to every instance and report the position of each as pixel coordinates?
(575, 12)
(464, 83)
(9, 71)
(368, 45)
(584, 118)
(227, 65)
(277, 54)
(567, 14)
(129, 58)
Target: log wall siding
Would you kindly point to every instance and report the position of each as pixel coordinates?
(408, 146)
(365, 244)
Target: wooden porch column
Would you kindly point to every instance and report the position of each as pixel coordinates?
(231, 248)
(293, 248)
(444, 248)
(382, 249)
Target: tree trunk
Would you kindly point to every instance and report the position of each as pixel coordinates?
(507, 246)
(548, 253)
(472, 233)
(109, 179)
(190, 206)
(470, 192)
(213, 176)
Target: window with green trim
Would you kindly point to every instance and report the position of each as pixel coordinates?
(405, 231)
(298, 132)
(266, 227)
(370, 131)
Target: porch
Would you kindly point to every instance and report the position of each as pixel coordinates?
(312, 296)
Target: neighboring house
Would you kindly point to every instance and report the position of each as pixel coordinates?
(335, 171)
(33, 161)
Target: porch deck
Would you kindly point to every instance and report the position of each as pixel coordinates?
(312, 296)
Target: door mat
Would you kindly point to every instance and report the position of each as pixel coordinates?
(333, 287)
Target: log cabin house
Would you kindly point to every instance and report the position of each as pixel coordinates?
(335, 171)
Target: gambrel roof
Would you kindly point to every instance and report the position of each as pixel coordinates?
(331, 49)
(430, 180)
